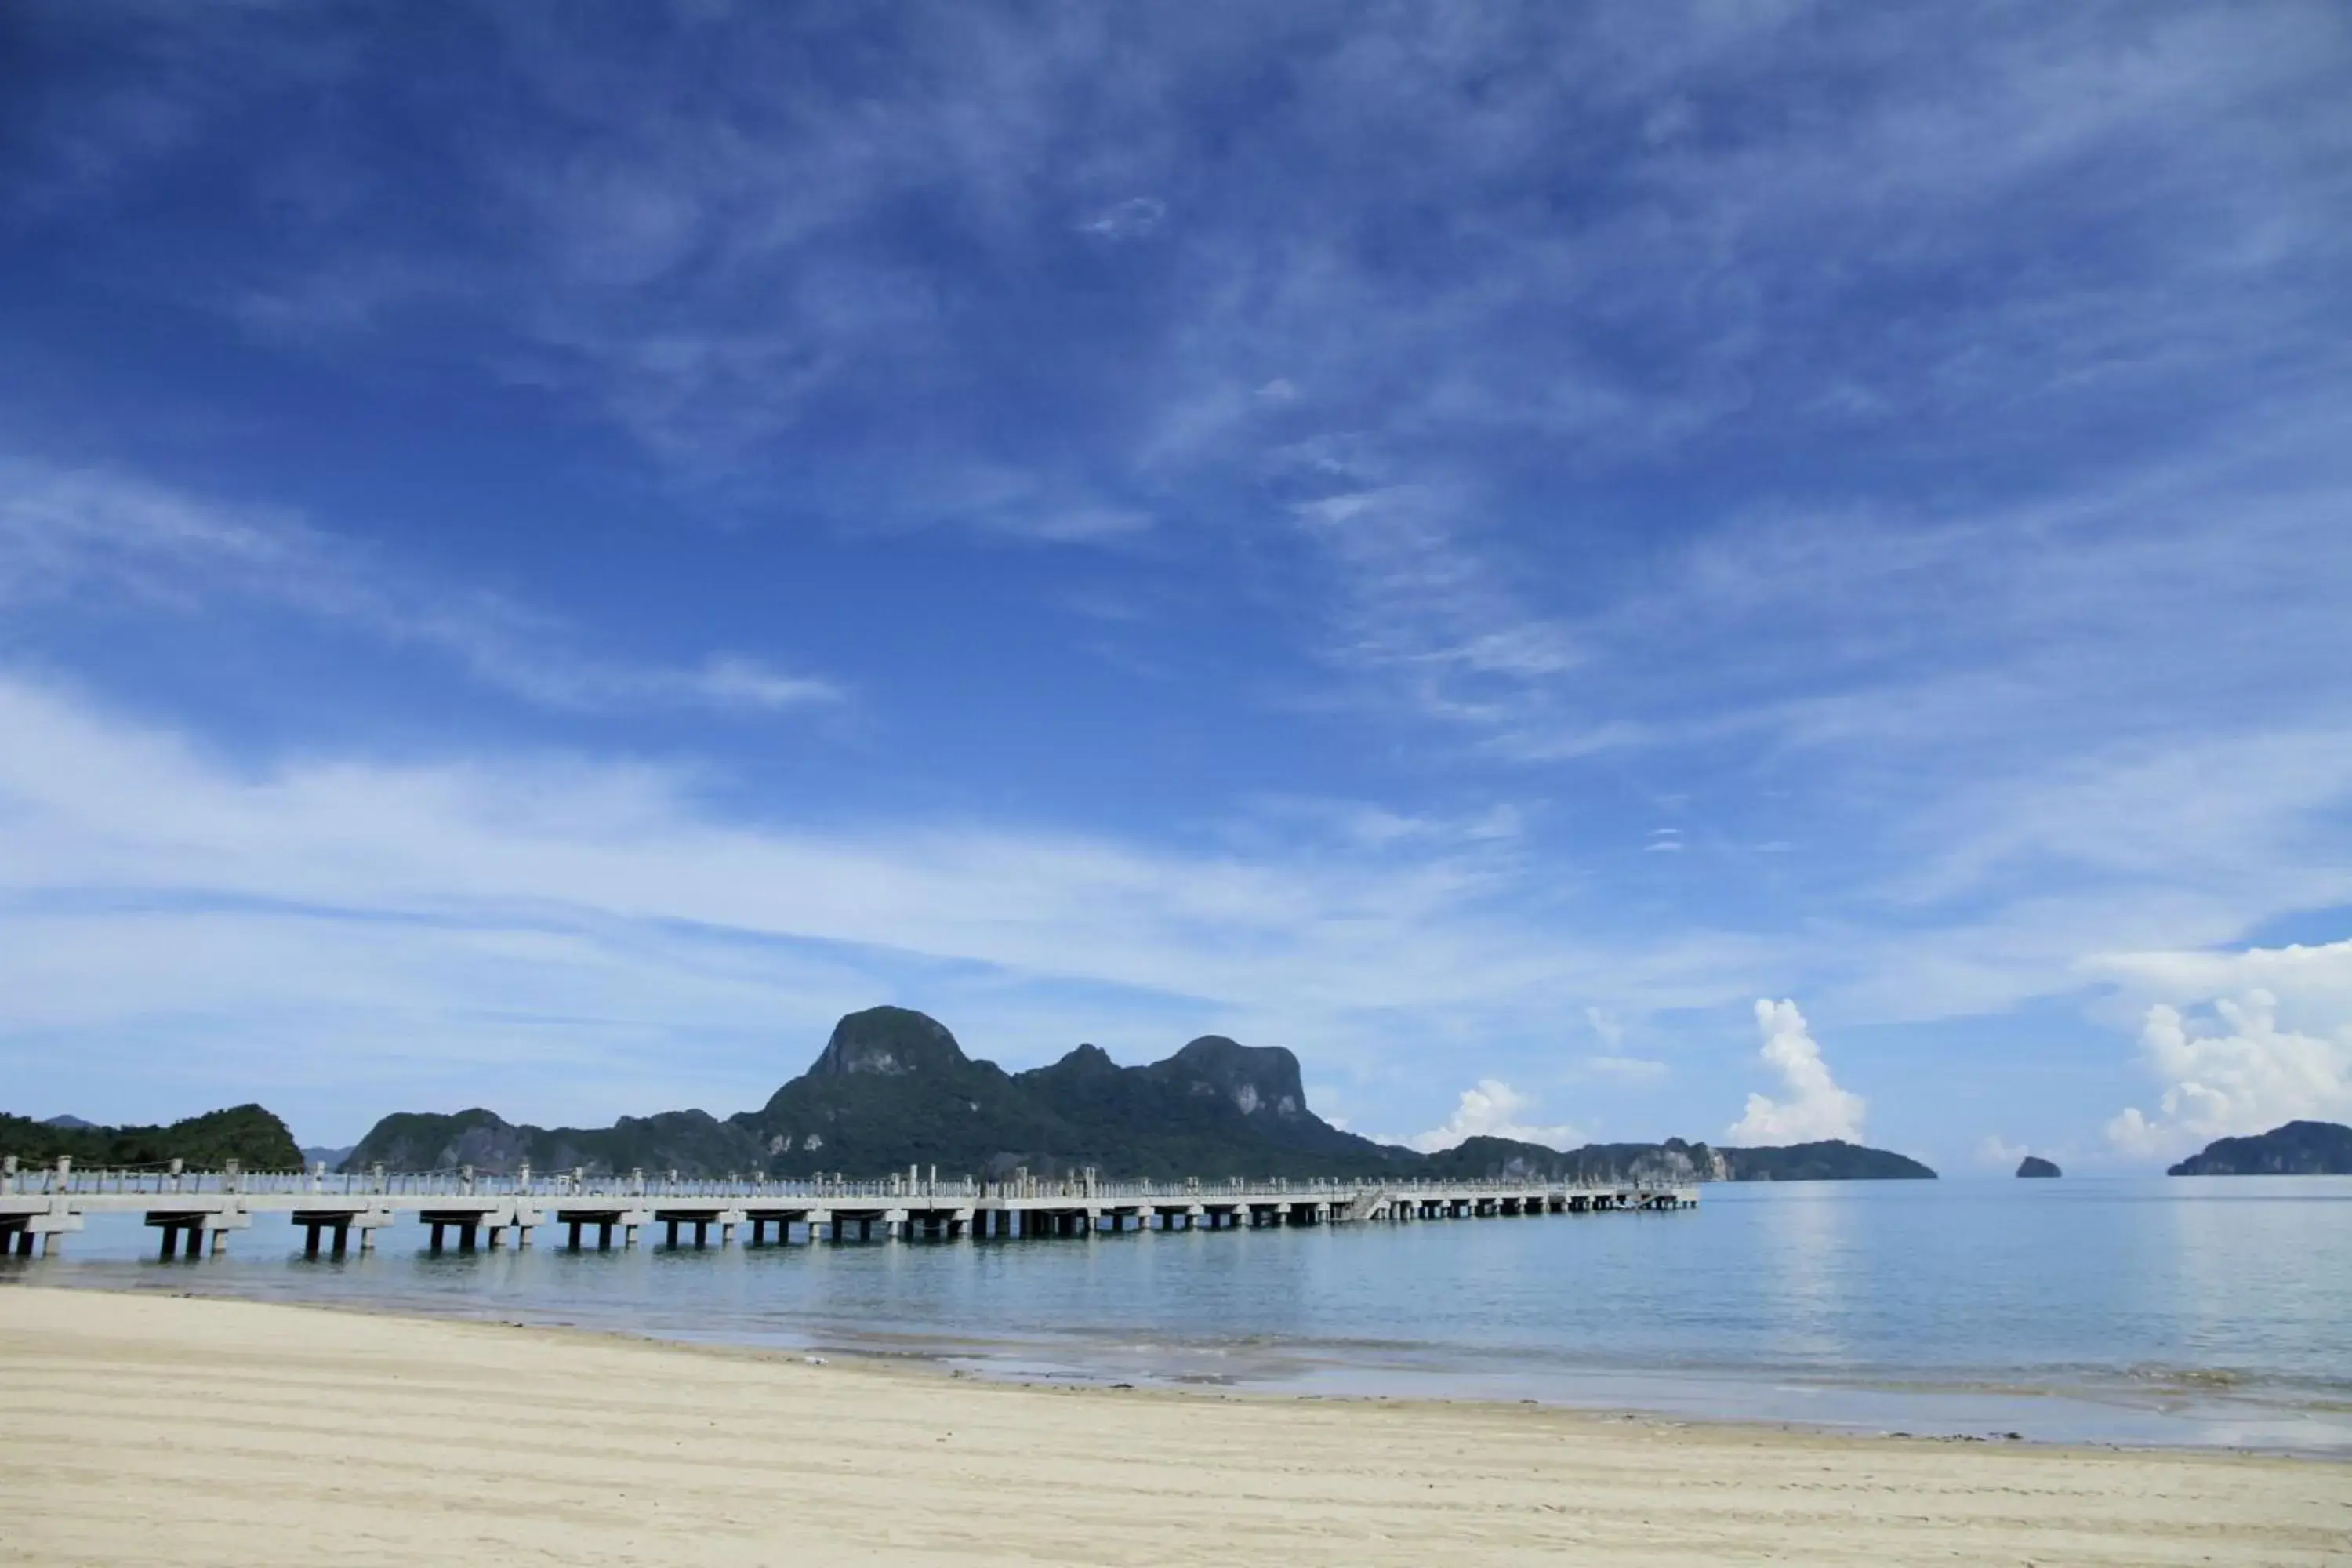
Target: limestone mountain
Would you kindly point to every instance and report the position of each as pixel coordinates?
(1215, 1108)
(893, 1087)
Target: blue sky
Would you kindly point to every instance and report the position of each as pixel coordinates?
(1769, 569)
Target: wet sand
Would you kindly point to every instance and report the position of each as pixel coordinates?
(154, 1429)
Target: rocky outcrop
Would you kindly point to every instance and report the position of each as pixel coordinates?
(1260, 1079)
(2035, 1165)
(888, 1041)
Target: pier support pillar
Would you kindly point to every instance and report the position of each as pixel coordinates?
(605, 1236)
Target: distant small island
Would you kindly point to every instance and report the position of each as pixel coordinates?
(2297, 1149)
(2035, 1165)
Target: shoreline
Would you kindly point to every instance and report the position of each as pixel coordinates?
(199, 1429)
(2170, 1410)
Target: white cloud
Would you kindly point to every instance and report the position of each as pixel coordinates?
(1493, 1109)
(2236, 1073)
(1996, 1153)
(732, 680)
(153, 891)
(1134, 218)
(2318, 976)
(1816, 1107)
(86, 534)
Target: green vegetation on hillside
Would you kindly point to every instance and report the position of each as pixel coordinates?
(892, 1088)
(1830, 1159)
(248, 1134)
(2297, 1149)
(693, 1142)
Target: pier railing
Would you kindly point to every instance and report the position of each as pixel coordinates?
(64, 1180)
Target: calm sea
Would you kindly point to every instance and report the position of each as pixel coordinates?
(2213, 1312)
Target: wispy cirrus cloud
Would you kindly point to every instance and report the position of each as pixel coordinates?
(513, 899)
(101, 537)
(1917, 437)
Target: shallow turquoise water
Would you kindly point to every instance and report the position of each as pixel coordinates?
(2160, 1310)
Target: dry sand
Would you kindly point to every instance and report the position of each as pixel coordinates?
(158, 1429)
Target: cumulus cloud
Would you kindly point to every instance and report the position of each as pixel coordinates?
(2238, 1072)
(2318, 974)
(1816, 1107)
(1996, 1152)
(1493, 1109)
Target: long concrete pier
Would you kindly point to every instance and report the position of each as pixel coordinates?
(202, 1210)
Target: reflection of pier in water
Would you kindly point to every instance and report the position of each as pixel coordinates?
(194, 1208)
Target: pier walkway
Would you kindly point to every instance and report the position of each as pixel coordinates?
(200, 1210)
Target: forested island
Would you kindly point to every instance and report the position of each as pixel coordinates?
(2297, 1149)
(893, 1088)
(247, 1134)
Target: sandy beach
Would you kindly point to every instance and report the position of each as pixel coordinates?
(160, 1429)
